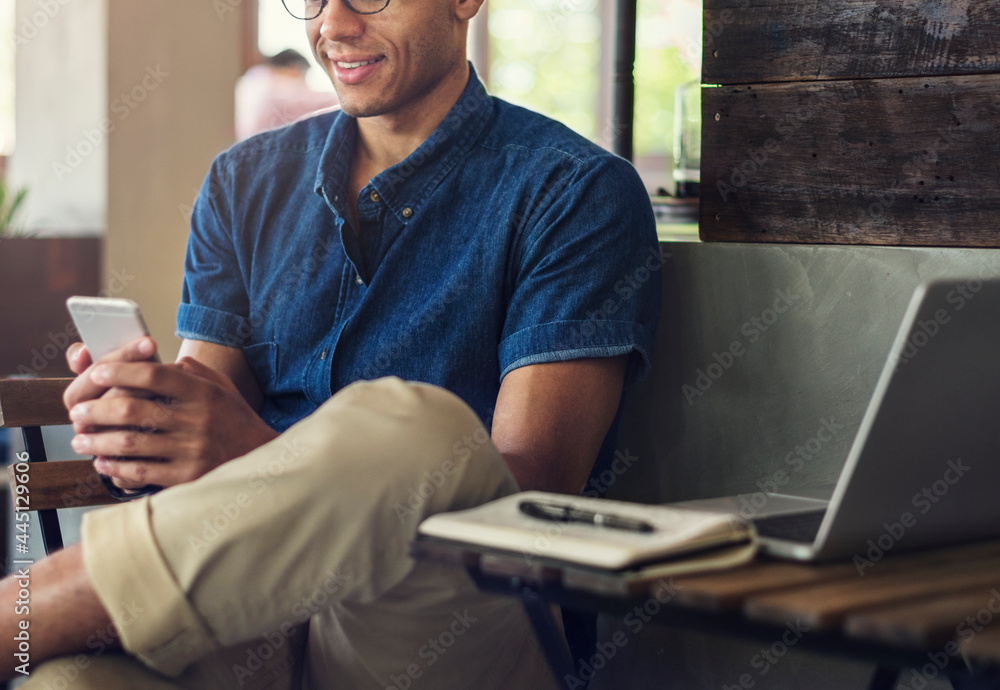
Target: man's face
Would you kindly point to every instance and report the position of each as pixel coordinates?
(385, 63)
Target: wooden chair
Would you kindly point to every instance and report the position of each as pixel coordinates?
(39, 485)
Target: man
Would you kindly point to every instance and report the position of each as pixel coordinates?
(451, 239)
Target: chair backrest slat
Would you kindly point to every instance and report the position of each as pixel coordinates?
(65, 484)
(36, 484)
(32, 402)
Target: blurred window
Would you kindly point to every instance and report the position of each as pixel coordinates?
(7, 49)
(557, 57)
(277, 30)
(546, 55)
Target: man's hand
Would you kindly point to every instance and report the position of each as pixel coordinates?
(83, 388)
(190, 420)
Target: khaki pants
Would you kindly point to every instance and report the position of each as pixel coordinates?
(311, 528)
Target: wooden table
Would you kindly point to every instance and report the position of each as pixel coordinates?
(935, 611)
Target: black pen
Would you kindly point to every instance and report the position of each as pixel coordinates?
(557, 512)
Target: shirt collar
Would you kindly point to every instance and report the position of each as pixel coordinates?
(407, 184)
(334, 172)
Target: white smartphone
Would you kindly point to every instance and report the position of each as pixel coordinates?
(106, 323)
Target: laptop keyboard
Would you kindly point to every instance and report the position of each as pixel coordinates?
(800, 527)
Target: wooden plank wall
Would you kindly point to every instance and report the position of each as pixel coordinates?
(36, 277)
(852, 121)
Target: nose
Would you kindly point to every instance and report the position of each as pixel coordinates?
(340, 22)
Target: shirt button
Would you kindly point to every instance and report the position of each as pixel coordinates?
(357, 279)
(407, 212)
(375, 197)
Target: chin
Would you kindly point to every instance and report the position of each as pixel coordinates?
(363, 109)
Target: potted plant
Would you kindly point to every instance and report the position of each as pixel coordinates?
(11, 204)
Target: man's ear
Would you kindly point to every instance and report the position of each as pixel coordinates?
(467, 9)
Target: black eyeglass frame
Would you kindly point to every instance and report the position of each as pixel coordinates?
(323, 4)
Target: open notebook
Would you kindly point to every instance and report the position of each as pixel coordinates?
(593, 544)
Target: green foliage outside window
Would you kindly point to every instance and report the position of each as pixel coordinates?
(668, 54)
(546, 55)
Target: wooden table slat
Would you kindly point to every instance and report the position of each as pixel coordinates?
(722, 591)
(984, 644)
(925, 624)
(824, 606)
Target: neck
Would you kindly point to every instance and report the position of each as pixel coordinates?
(385, 140)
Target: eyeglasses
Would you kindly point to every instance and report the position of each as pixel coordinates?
(310, 9)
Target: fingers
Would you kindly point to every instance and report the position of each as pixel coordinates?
(81, 389)
(123, 442)
(85, 387)
(124, 411)
(137, 473)
(174, 381)
(77, 358)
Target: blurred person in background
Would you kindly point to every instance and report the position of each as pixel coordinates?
(275, 93)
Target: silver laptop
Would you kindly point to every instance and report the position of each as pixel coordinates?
(924, 468)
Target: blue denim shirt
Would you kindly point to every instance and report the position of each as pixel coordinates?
(504, 240)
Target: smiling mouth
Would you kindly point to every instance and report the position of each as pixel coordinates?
(355, 65)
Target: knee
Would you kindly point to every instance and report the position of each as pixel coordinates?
(420, 444)
(415, 421)
(430, 424)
